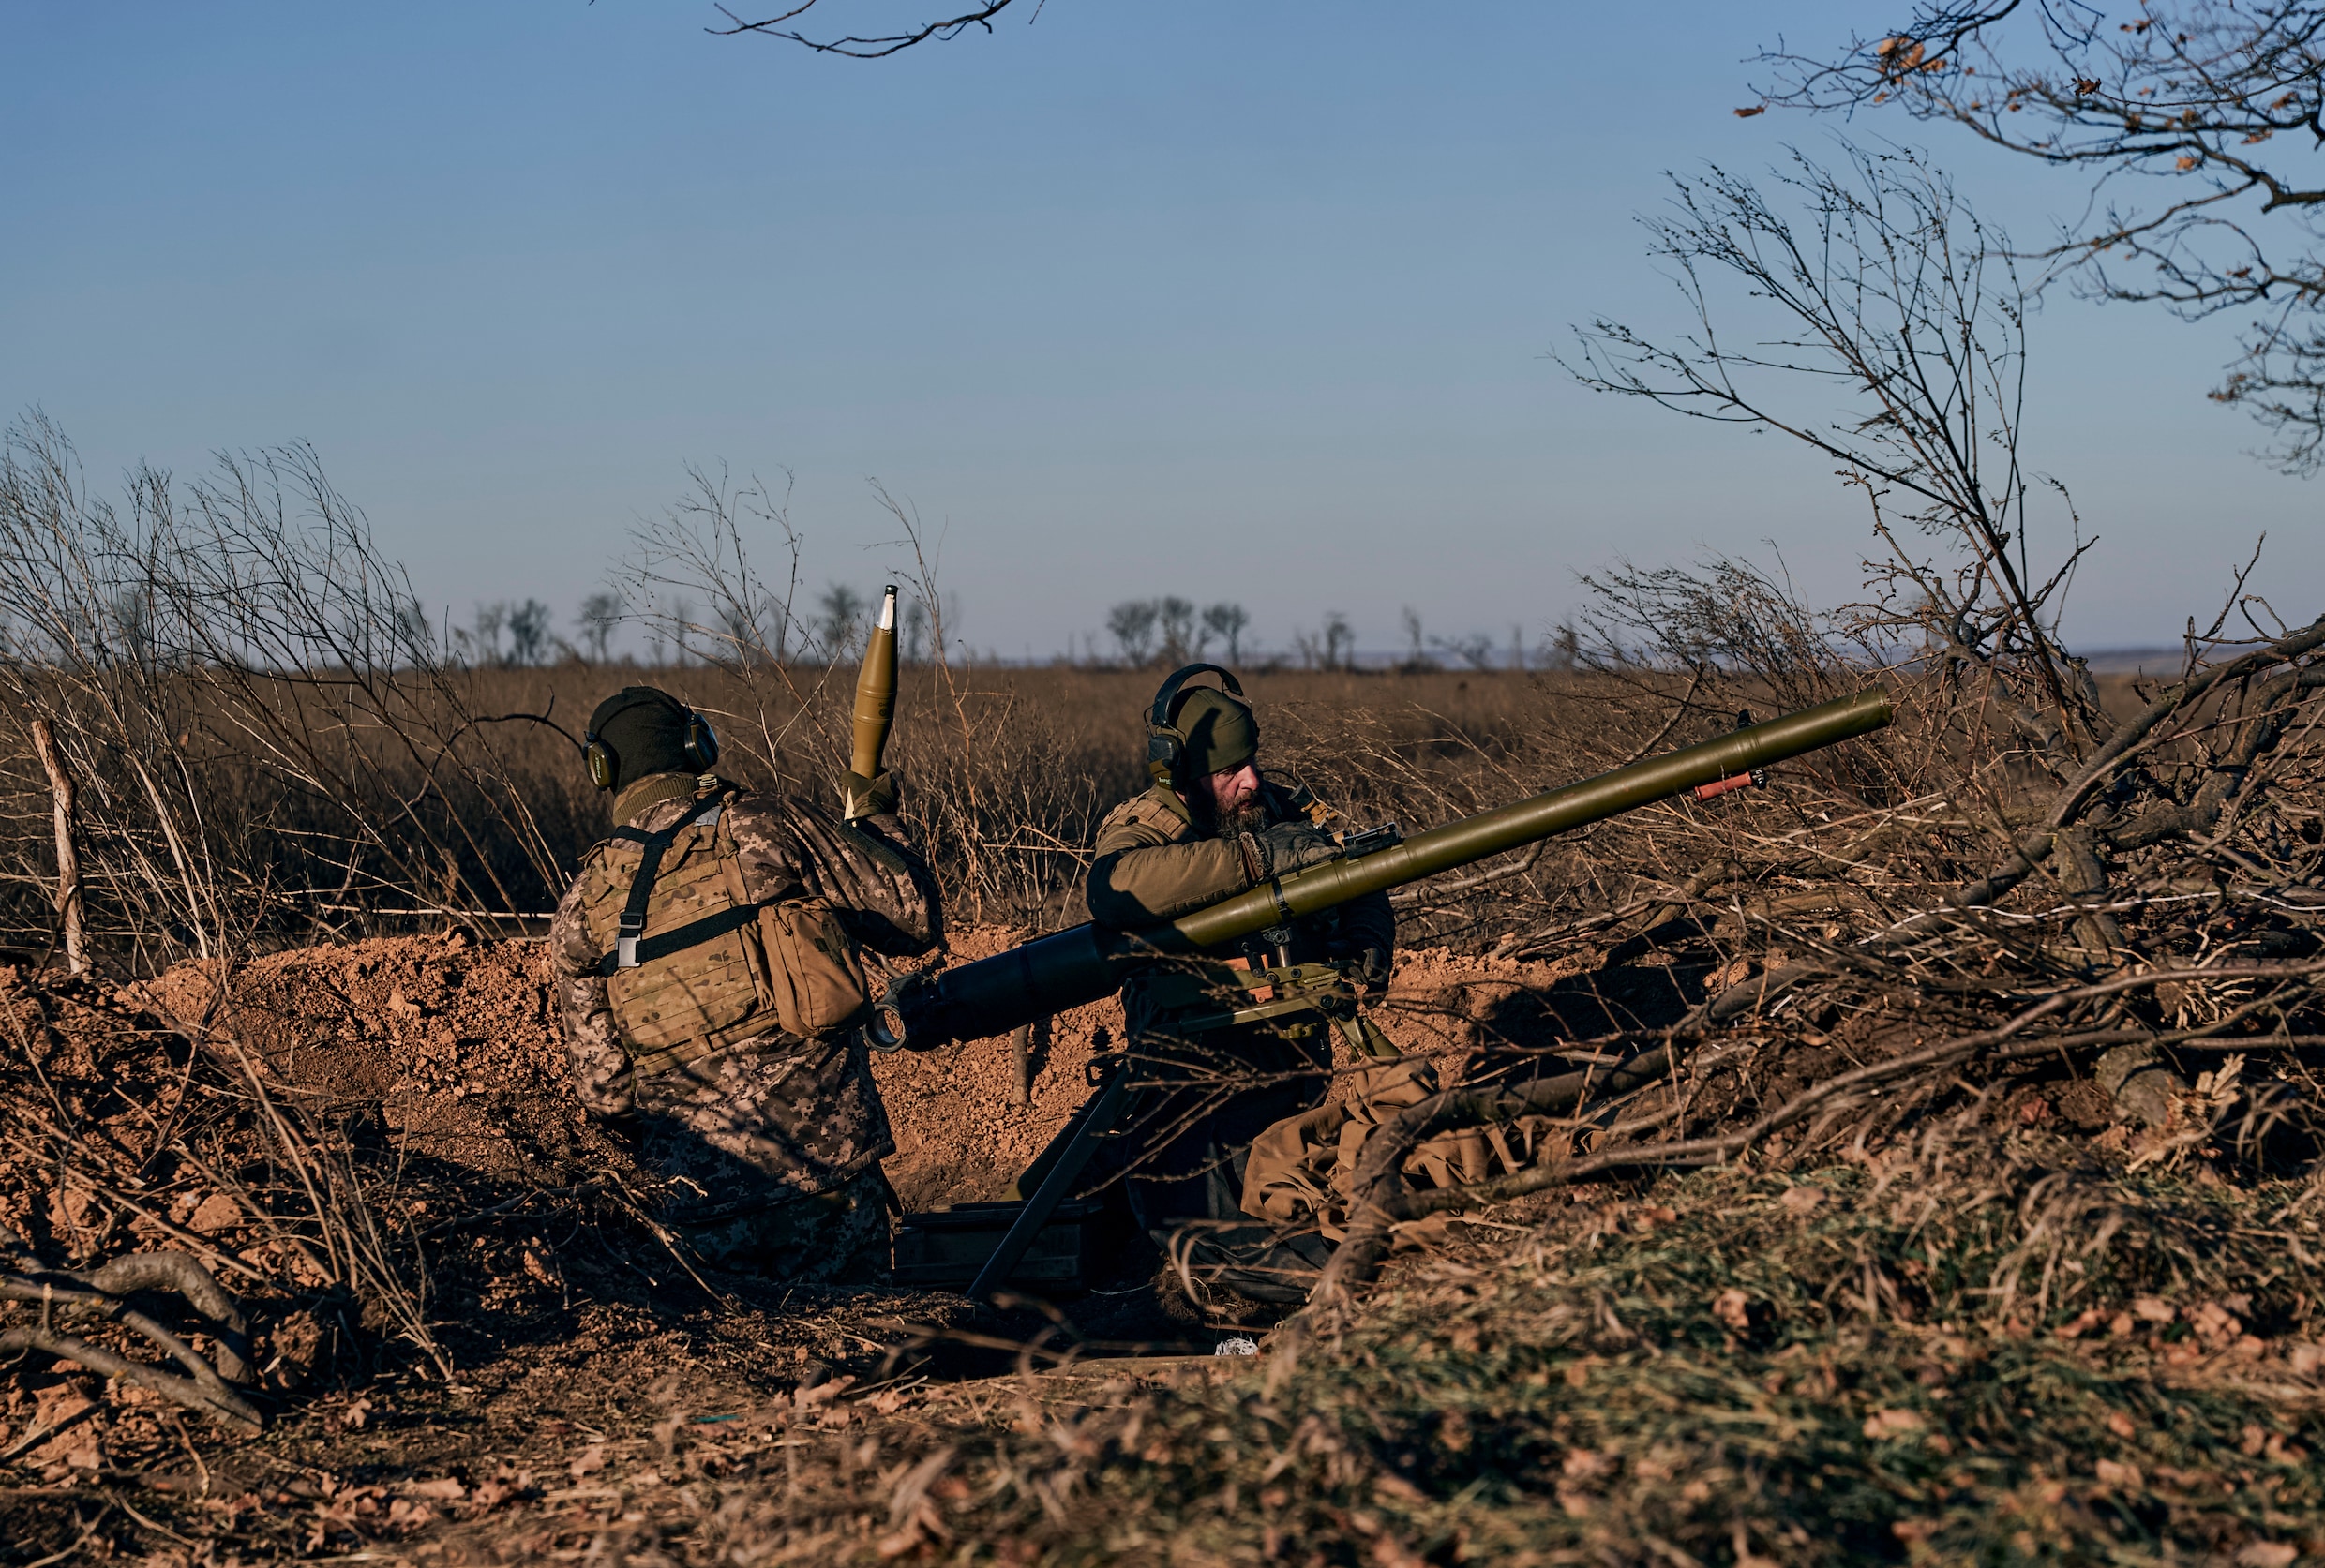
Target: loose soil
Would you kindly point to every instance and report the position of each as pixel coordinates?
(1728, 1367)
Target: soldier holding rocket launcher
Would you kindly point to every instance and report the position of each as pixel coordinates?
(1066, 969)
(1213, 825)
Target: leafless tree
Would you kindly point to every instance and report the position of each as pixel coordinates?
(2048, 872)
(528, 633)
(1892, 300)
(482, 643)
(696, 552)
(1475, 652)
(842, 623)
(600, 614)
(1131, 623)
(270, 742)
(2183, 99)
(915, 631)
(878, 46)
(1177, 619)
(1329, 647)
(1226, 622)
(1416, 643)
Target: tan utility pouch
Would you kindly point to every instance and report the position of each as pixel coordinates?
(812, 968)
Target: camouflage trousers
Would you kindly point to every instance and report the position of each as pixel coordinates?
(838, 1237)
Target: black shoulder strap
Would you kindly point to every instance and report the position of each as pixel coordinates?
(711, 927)
(628, 953)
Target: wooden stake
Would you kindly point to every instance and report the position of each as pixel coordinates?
(68, 903)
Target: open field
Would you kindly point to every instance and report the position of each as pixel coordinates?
(1916, 1156)
(1006, 774)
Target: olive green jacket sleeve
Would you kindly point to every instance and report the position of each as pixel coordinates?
(1150, 867)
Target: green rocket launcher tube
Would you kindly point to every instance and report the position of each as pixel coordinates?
(1045, 977)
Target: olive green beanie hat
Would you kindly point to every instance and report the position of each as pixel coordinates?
(1220, 732)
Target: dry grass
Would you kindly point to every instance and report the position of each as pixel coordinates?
(1931, 1356)
(1006, 776)
(1926, 1149)
(1832, 1365)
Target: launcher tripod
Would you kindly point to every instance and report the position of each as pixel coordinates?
(1195, 1000)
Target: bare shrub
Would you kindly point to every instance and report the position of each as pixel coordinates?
(2021, 880)
(263, 743)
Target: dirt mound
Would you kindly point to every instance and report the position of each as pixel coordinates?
(451, 1044)
(958, 1137)
(456, 1048)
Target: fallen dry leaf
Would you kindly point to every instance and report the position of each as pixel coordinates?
(1584, 1464)
(1398, 1488)
(1389, 1552)
(2085, 1321)
(2215, 1324)
(1894, 1424)
(404, 1514)
(214, 1214)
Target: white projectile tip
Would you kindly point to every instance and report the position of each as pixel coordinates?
(888, 610)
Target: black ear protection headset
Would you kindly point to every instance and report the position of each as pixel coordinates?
(700, 748)
(1165, 746)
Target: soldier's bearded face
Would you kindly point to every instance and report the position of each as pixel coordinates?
(1232, 791)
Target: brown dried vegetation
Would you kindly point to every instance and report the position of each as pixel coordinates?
(1931, 1173)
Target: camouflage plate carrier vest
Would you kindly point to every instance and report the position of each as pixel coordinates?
(692, 964)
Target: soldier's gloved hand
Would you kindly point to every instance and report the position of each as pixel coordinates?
(1288, 846)
(1373, 967)
(861, 797)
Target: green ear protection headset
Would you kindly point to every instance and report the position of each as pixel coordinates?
(1165, 746)
(701, 750)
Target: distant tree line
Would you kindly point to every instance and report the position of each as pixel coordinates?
(1172, 631)
(1167, 631)
(510, 634)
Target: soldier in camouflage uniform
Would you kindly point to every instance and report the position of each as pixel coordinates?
(769, 1144)
(1211, 825)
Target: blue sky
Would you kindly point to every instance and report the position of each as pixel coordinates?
(1241, 300)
